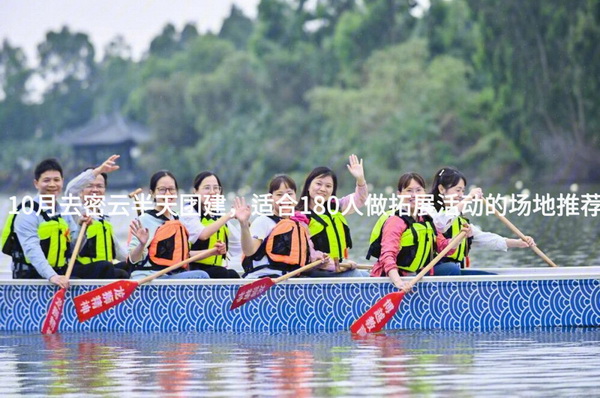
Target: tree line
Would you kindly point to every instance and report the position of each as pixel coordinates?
(497, 88)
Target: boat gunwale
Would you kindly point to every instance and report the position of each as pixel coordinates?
(503, 275)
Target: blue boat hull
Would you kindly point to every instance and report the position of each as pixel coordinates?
(482, 303)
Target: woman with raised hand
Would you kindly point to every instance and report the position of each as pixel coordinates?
(158, 238)
(100, 247)
(328, 227)
(206, 229)
(448, 190)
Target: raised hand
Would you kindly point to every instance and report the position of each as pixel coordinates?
(355, 167)
(108, 166)
(138, 230)
(242, 210)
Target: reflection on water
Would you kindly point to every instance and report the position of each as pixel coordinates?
(554, 362)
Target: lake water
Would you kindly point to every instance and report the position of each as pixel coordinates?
(536, 363)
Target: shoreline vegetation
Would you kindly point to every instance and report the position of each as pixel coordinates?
(504, 91)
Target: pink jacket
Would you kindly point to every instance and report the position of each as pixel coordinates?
(391, 235)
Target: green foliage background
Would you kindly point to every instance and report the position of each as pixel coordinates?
(501, 89)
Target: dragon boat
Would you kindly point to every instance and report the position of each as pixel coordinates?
(513, 298)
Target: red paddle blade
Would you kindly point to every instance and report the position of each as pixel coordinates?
(94, 302)
(50, 325)
(378, 315)
(251, 291)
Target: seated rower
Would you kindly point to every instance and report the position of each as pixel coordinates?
(38, 237)
(449, 186)
(206, 228)
(159, 239)
(329, 230)
(276, 244)
(100, 245)
(404, 241)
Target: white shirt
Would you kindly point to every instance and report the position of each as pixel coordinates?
(191, 220)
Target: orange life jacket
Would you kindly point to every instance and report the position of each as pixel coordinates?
(286, 247)
(170, 243)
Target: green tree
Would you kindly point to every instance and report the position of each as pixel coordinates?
(69, 71)
(237, 28)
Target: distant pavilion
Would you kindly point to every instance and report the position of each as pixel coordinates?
(103, 136)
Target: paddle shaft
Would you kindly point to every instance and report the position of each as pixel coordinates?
(520, 234)
(134, 195)
(453, 243)
(76, 250)
(198, 256)
(297, 271)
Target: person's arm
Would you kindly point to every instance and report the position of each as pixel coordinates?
(142, 233)
(519, 243)
(26, 229)
(209, 230)
(361, 192)
(488, 240)
(443, 242)
(391, 235)
(442, 220)
(249, 244)
(77, 184)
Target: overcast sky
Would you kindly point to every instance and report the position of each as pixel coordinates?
(25, 22)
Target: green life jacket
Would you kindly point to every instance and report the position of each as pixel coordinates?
(53, 233)
(464, 247)
(330, 234)
(222, 235)
(99, 245)
(417, 243)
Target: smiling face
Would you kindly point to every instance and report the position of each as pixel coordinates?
(165, 186)
(208, 190)
(456, 193)
(410, 193)
(95, 188)
(49, 183)
(285, 196)
(320, 186)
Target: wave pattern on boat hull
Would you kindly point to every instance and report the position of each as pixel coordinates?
(313, 307)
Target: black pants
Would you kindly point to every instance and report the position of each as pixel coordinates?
(215, 271)
(96, 270)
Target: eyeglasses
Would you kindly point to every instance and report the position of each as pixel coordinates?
(163, 190)
(211, 188)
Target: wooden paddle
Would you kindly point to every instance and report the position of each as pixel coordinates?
(134, 195)
(96, 301)
(379, 314)
(50, 325)
(252, 290)
(516, 230)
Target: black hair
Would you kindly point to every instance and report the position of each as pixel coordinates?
(321, 171)
(447, 177)
(204, 174)
(406, 178)
(160, 174)
(47, 165)
(280, 179)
